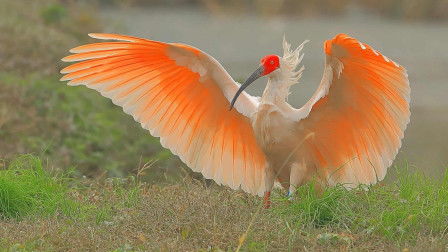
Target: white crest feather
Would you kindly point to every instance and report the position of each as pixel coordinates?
(291, 60)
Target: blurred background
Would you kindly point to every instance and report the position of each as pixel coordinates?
(75, 128)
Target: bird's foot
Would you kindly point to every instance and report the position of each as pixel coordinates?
(290, 196)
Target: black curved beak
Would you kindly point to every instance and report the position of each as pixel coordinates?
(255, 75)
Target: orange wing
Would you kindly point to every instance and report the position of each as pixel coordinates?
(181, 95)
(358, 114)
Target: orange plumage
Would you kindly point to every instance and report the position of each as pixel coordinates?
(349, 132)
(359, 125)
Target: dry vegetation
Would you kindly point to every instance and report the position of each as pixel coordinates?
(73, 127)
(34, 35)
(128, 215)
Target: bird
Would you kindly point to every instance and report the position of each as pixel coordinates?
(348, 133)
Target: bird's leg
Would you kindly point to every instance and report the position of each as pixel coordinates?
(291, 191)
(268, 183)
(267, 200)
(296, 178)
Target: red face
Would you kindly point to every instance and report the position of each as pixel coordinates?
(270, 63)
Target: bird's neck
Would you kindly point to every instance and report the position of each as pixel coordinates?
(276, 91)
(276, 94)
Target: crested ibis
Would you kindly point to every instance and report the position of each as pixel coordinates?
(349, 131)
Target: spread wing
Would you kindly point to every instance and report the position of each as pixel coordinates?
(181, 95)
(357, 115)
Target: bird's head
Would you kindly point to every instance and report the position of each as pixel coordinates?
(268, 64)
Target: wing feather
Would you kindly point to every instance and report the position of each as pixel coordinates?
(181, 95)
(359, 122)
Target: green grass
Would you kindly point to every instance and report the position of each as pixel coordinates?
(401, 211)
(124, 214)
(26, 189)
